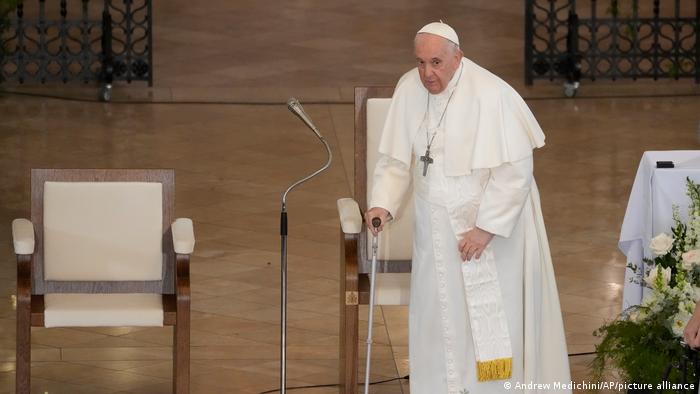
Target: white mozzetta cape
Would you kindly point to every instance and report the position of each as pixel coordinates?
(485, 112)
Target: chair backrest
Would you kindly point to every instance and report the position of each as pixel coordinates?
(102, 231)
(371, 106)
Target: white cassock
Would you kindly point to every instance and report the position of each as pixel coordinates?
(479, 177)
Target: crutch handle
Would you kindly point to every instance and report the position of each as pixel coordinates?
(376, 222)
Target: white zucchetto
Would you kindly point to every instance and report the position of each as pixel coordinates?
(441, 29)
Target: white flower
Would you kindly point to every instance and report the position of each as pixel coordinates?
(649, 300)
(661, 244)
(674, 292)
(665, 274)
(641, 315)
(682, 290)
(690, 258)
(679, 321)
(650, 305)
(687, 305)
(688, 292)
(634, 316)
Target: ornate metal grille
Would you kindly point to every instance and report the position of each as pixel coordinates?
(107, 41)
(612, 39)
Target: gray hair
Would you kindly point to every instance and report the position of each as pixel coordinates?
(451, 47)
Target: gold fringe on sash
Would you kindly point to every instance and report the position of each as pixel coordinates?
(497, 369)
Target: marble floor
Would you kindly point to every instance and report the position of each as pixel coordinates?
(233, 160)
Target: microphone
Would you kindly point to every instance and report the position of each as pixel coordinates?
(296, 108)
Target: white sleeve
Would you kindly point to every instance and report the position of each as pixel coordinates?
(504, 197)
(389, 184)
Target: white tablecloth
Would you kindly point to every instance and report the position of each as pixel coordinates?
(649, 209)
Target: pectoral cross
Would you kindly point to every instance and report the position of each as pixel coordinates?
(427, 160)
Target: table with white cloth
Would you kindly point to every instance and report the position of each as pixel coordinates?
(650, 210)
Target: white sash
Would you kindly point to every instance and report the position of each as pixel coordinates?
(494, 356)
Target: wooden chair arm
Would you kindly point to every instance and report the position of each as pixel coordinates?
(177, 305)
(23, 236)
(350, 216)
(182, 276)
(183, 235)
(24, 280)
(349, 268)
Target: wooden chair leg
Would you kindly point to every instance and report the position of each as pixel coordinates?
(24, 347)
(24, 325)
(349, 351)
(181, 332)
(181, 356)
(349, 312)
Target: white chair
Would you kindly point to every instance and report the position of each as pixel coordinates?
(392, 284)
(103, 249)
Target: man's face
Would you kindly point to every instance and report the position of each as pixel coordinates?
(438, 60)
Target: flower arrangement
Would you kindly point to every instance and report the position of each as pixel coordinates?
(645, 339)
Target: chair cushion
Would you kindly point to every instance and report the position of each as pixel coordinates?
(103, 231)
(396, 241)
(103, 310)
(392, 289)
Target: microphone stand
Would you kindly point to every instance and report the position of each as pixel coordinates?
(283, 265)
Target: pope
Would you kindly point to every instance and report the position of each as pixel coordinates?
(484, 307)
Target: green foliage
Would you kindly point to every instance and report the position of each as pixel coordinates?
(646, 339)
(693, 191)
(639, 351)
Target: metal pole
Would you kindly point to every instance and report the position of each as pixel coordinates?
(655, 51)
(283, 301)
(150, 42)
(529, 15)
(42, 42)
(593, 49)
(376, 222)
(614, 49)
(697, 41)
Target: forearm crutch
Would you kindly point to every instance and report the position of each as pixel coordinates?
(376, 222)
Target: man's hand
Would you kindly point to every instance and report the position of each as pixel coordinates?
(376, 212)
(691, 334)
(473, 243)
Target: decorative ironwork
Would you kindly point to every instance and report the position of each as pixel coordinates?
(103, 42)
(612, 39)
